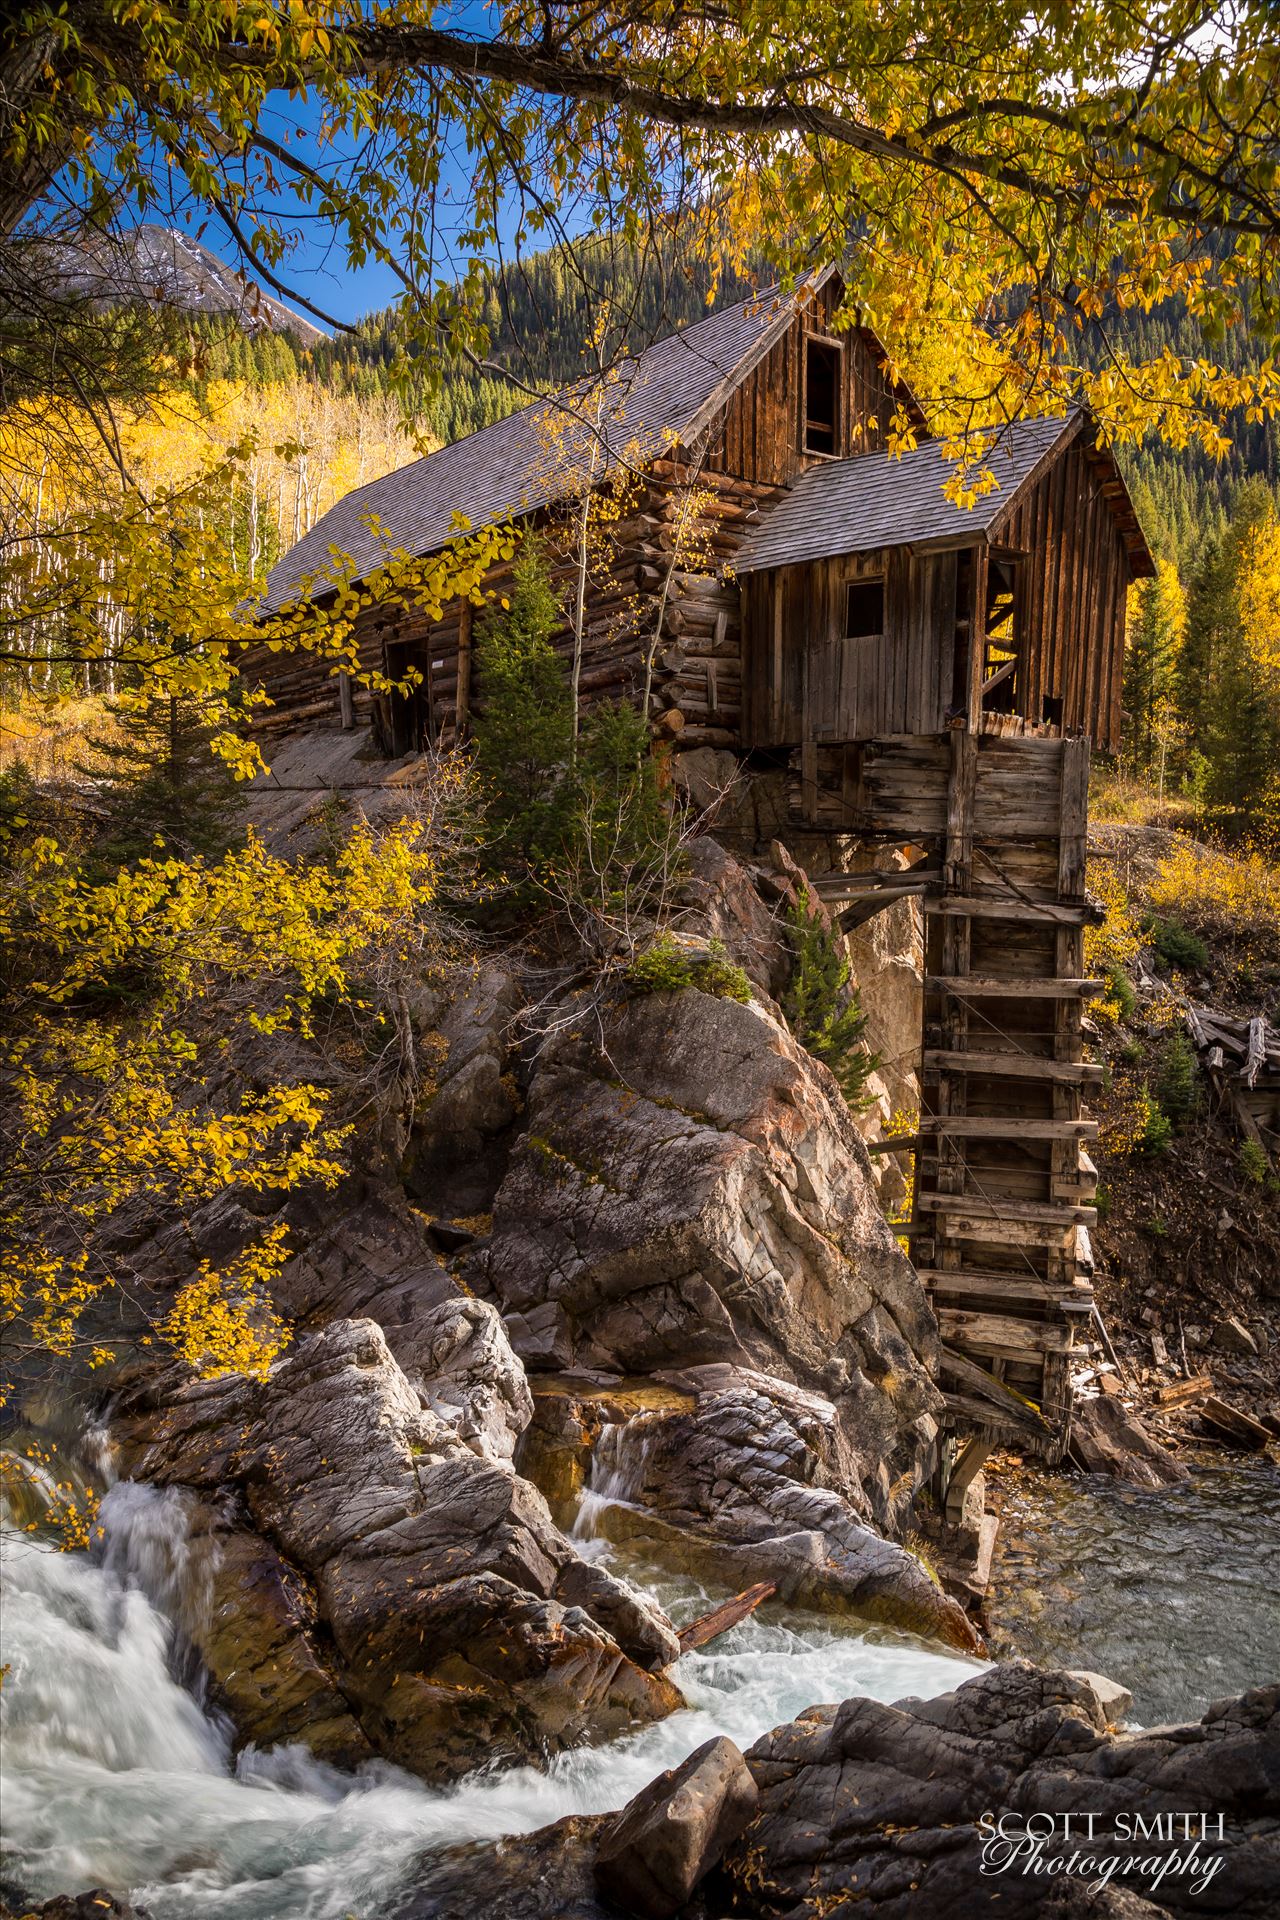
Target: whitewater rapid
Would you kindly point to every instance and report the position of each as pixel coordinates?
(116, 1775)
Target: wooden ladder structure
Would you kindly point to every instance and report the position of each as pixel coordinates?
(1004, 1184)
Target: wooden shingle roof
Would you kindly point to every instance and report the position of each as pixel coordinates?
(876, 500)
(545, 452)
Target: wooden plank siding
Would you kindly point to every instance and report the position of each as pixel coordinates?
(761, 437)
(1071, 570)
(698, 660)
(1072, 617)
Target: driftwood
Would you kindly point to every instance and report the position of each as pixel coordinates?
(708, 1625)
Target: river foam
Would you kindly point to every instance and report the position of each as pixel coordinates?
(116, 1776)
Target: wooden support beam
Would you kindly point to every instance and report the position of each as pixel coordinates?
(980, 906)
(964, 1283)
(1002, 1333)
(962, 782)
(1043, 1235)
(1007, 1402)
(986, 986)
(969, 1464)
(975, 1208)
(965, 1126)
(874, 903)
(850, 886)
(462, 706)
(1015, 1066)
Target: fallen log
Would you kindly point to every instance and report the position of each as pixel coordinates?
(708, 1625)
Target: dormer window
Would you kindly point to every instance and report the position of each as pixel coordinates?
(822, 385)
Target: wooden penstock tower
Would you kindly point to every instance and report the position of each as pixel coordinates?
(926, 678)
(935, 683)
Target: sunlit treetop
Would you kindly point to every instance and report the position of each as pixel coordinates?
(999, 182)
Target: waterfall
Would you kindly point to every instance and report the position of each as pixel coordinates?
(618, 1462)
(115, 1776)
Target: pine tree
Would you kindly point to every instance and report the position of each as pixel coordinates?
(1240, 717)
(162, 788)
(524, 732)
(822, 1006)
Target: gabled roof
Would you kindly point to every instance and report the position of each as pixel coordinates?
(665, 395)
(877, 500)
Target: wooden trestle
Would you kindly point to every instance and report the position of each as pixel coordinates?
(1004, 1184)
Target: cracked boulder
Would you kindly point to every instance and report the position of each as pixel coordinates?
(691, 1189)
(463, 1625)
(747, 1477)
(866, 1805)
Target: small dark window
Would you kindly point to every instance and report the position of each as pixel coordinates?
(864, 610)
(821, 397)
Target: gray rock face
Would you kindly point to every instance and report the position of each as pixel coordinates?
(651, 1856)
(458, 1146)
(723, 902)
(755, 1477)
(436, 1572)
(865, 1803)
(693, 1189)
(467, 1374)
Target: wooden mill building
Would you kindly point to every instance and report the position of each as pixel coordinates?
(925, 678)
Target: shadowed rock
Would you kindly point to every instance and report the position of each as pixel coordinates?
(878, 1806)
(651, 1856)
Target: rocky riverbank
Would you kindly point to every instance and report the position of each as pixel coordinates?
(970, 1802)
(645, 1254)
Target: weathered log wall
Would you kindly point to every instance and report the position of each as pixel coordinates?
(756, 448)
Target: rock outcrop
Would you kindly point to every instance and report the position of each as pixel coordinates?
(691, 1188)
(889, 1809)
(651, 1856)
(464, 1627)
(749, 1477)
(883, 1806)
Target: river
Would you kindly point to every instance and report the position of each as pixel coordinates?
(117, 1776)
(1175, 1592)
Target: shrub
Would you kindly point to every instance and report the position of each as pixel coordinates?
(582, 820)
(1253, 1163)
(717, 974)
(662, 968)
(524, 734)
(1157, 1129)
(1219, 892)
(667, 967)
(1120, 1000)
(1118, 937)
(822, 1006)
(1177, 948)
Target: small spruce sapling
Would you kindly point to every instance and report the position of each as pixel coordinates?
(524, 732)
(824, 1010)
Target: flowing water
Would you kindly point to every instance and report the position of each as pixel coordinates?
(1174, 1592)
(117, 1776)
